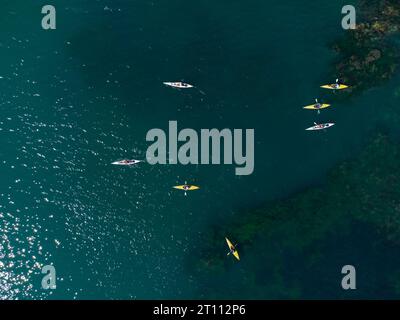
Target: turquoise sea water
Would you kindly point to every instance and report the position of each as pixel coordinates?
(75, 99)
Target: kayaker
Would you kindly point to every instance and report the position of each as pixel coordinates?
(336, 85)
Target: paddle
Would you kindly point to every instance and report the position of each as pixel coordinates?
(232, 250)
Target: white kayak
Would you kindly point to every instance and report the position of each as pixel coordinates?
(126, 162)
(320, 126)
(180, 85)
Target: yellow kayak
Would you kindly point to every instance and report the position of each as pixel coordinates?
(187, 187)
(335, 86)
(317, 106)
(232, 249)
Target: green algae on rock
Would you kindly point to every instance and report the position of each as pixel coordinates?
(367, 56)
(364, 190)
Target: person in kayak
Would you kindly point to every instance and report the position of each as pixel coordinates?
(336, 85)
(317, 105)
(186, 187)
(319, 126)
(232, 249)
